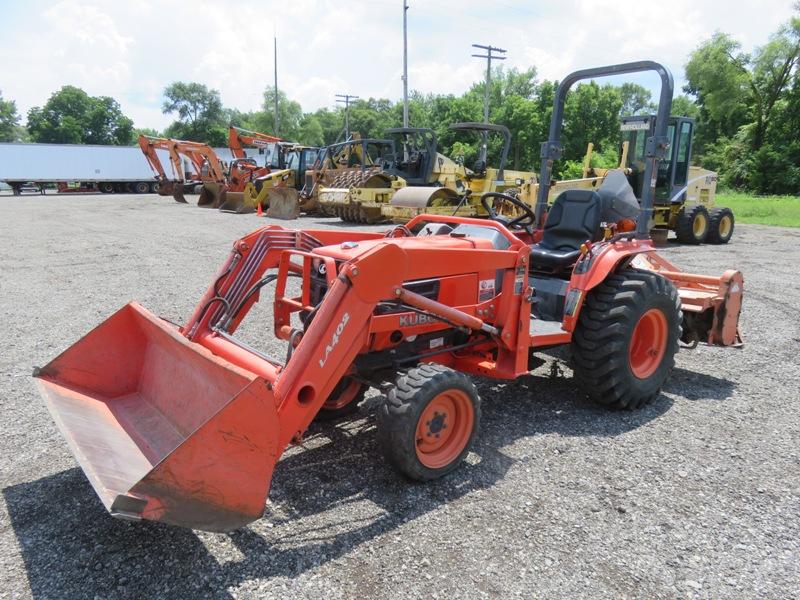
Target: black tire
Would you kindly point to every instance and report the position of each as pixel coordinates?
(689, 229)
(141, 187)
(403, 408)
(721, 224)
(330, 414)
(105, 187)
(603, 348)
(154, 187)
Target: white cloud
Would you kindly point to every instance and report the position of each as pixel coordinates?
(131, 51)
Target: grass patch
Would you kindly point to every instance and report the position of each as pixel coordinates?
(783, 211)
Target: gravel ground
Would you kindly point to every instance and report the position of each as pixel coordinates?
(696, 495)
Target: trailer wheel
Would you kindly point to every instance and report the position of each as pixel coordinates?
(154, 187)
(429, 420)
(721, 223)
(141, 187)
(344, 400)
(106, 187)
(624, 345)
(693, 224)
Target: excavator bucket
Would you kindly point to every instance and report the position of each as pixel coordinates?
(284, 203)
(212, 195)
(235, 203)
(178, 190)
(172, 188)
(164, 429)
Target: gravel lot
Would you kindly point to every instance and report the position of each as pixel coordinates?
(696, 495)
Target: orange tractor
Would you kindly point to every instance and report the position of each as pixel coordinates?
(185, 425)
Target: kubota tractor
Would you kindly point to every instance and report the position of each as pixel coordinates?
(185, 424)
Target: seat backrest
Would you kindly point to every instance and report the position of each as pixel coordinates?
(574, 218)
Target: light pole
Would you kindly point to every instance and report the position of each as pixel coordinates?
(405, 63)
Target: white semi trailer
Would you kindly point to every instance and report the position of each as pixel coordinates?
(83, 168)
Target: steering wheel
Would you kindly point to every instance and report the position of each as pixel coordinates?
(524, 221)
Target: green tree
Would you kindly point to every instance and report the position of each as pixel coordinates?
(746, 127)
(71, 116)
(636, 100)
(290, 113)
(9, 120)
(717, 77)
(311, 132)
(683, 106)
(199, 111)
(591, 114)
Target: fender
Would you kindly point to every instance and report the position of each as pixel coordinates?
(593, 268)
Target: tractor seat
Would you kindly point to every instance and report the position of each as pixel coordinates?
(573, 219)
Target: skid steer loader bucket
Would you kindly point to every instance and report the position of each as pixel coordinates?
(212, 195)
(235, 203)
(284, 203)
(163, 429)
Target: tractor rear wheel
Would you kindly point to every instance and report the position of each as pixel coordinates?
(429, 420)
(624, 346)
(693, 224)
(721, 224)
(344, 400)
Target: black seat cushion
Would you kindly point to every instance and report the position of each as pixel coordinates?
(573, 219)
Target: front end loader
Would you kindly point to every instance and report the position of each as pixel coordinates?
(185, 425)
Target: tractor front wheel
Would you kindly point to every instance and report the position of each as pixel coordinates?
(693, 224)
(624, 346)
(429, 420)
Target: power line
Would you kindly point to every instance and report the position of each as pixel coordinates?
(345, 99)
(492, 53)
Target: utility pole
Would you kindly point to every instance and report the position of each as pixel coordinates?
(277, 119)
(489, 56)
(345, 99)
(405, 63)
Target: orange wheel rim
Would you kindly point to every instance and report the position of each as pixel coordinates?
(344, 398)
(648, 343)
(444, 428)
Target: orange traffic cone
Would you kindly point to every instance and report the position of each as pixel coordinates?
(259, 211)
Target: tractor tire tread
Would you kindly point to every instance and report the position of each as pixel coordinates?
(684, 230)
(398, 415)
(601, 341)
(715, 216)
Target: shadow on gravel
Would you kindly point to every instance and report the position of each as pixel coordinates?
(698, 386)
(325, 501)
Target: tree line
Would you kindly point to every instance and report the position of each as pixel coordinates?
(747, 108)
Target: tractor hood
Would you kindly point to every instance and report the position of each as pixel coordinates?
(349, 250)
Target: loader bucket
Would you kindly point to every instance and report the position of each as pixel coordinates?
(284, 203)
(212, 195)
(236, 203)
(163, 429)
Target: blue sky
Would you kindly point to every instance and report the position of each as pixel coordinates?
(132, 50)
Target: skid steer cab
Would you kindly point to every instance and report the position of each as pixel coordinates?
(185, 425)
